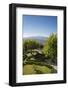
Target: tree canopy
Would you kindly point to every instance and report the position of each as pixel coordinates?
(30, 44)
(50, 47)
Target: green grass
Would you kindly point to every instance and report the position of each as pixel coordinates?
(36, 69)
(43, 69)
(28, 69)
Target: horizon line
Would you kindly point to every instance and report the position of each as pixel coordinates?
(35, 36)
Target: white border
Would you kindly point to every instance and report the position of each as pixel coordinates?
(44, 77)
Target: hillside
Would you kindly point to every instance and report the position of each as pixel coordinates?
(40, 39)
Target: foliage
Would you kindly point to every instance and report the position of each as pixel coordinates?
(30, 44)
(37, 69)
(50, 48)
(38, 58)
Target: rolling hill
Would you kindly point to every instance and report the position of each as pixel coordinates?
(40, 39)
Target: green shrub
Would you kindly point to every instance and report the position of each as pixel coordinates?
(50, 48)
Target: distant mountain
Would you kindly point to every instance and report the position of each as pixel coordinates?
(40, 39)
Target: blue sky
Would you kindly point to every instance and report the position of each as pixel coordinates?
(39, 25)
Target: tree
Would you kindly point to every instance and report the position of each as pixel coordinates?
(30, 44)
(50, 48)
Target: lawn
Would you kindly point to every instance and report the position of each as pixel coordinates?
(36, 69)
